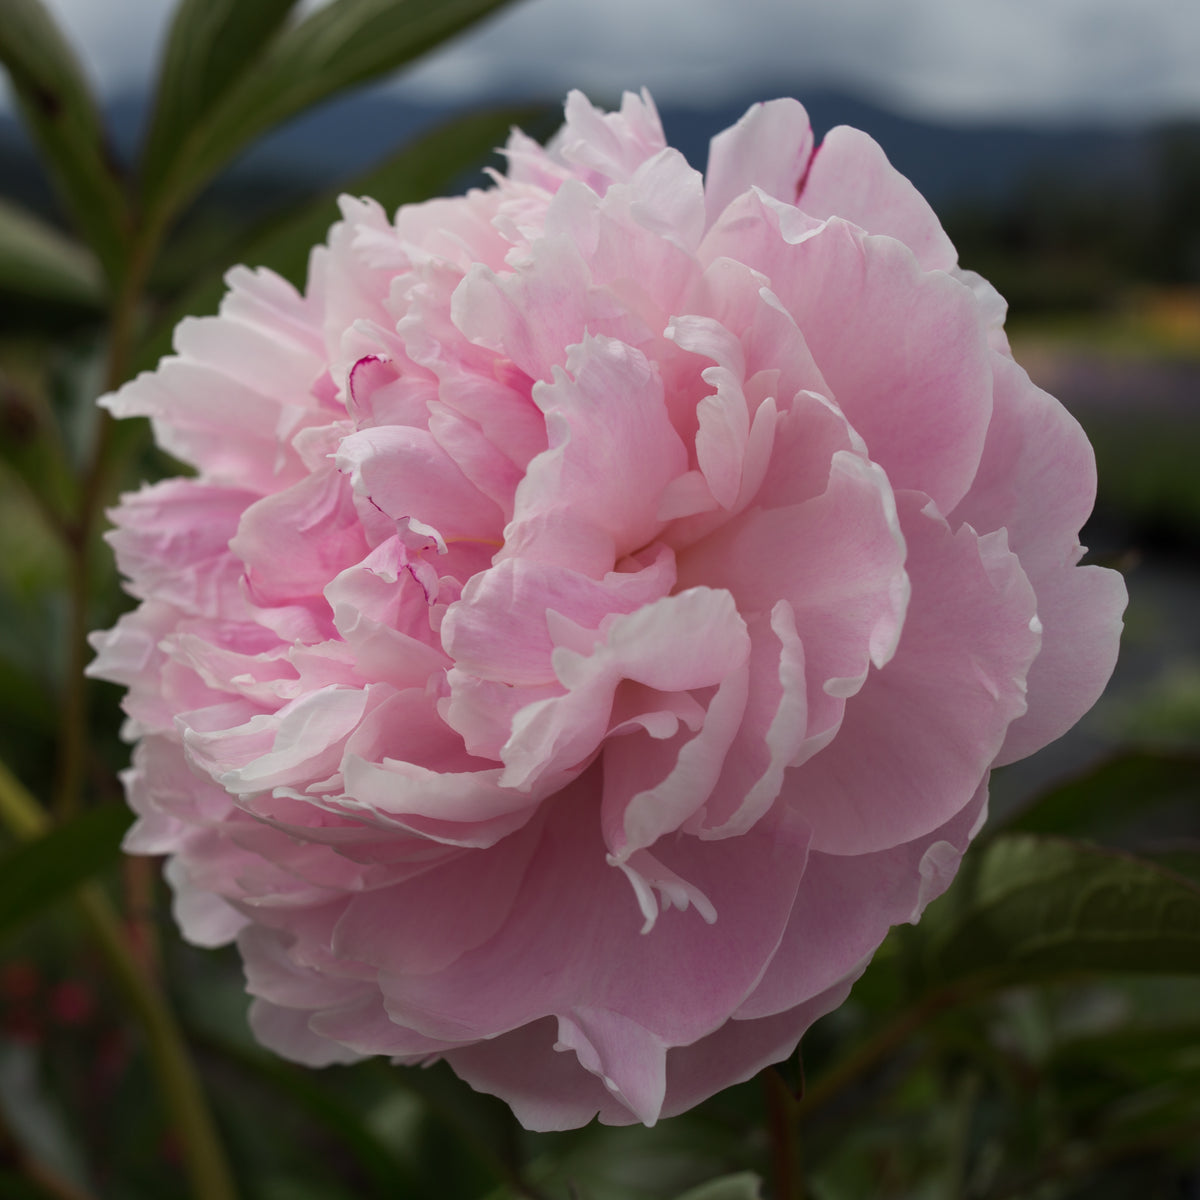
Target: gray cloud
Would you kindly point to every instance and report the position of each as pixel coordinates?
(1099, 60)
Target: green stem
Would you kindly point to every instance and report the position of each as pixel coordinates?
(23, 815)
(203, 1154)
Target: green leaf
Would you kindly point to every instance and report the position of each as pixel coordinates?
(323, 1099)
(36, 873)
(1110, 801)
(1027, 909)
(347, 43)
(37, 260)
(1183, 861)
(743, 1186)
(33, 451)
(58, 108)
(1142, 1058)
(427, 166)
(210, 46)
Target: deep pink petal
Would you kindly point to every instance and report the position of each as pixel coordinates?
(676, 977)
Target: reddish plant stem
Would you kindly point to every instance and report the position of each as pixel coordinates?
(782, 1127)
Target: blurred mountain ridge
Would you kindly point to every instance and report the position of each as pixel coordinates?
(977, 163)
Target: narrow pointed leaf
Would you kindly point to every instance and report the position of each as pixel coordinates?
(37, 260)
(58, 108)
(210, 46)
(36, 873)
(1027, 909)
(342, 45)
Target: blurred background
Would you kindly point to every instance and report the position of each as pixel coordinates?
(1059, 142)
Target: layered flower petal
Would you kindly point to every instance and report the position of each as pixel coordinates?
(598, 607)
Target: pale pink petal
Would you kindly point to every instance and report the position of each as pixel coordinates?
(1080, 610)
(381, 608)
(425, 924)
(499, 630)
(408, 475)
(739, 1050)
(654, 646)
(496, 310)
(832, 934)
(769, 148)
(592, 497)
(172, 541)
(294, 541)
(651, 974)
(598, 607)
(438, 790)
(850, 177)
(927, 726)
(203, 917)
(921, 398)
(266, 750)
(846, 582)
(544, 1084)
(287, 1032)
(770, 737)
(608, 146)
(653, 787)
(1037, 480)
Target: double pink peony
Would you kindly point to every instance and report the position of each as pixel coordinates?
(598, 606)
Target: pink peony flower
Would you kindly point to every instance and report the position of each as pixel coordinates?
(596, 611)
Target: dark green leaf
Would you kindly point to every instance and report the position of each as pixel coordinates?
(57, 105)
(211, 45)
(744, 1186)
(287, 1085)
(37, 260)
(1183, 861)
(347, 43)
(37, 873)
(1026, 909)
(428, 166)
(1110, 801)
(1143, 1057)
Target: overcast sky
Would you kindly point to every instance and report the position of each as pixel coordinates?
(1100, 61)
